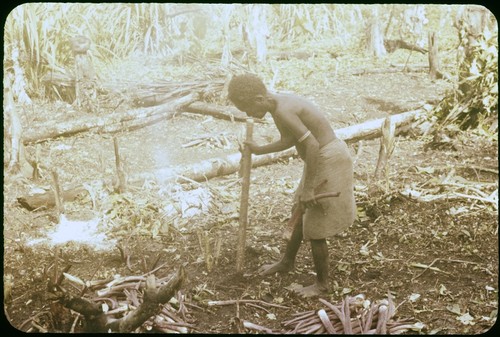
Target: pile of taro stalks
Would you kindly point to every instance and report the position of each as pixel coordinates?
(354, 315)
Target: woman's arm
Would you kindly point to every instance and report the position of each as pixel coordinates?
(299, 133)
(280, 145)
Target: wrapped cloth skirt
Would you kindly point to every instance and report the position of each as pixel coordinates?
(334, 174)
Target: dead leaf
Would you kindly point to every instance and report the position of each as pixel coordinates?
(414, 297)
(294, 287)
(466, 319)
(74, 279)
(442, 290)
(455, 308)
(428, 170)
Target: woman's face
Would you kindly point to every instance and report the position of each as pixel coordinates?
(254, 108)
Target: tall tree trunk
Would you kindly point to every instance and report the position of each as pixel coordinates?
(258, 31)
(226, 49)
(375, 37)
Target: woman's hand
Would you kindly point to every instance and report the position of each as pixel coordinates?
(307, 198)
(254, 148)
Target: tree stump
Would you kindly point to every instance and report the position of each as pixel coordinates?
(434, 72)
(387, 141)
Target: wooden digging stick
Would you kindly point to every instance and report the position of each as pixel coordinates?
(246, 165)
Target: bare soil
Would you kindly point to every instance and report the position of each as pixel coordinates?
(387, 249)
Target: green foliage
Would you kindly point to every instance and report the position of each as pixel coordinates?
(475, 102)
(43, 31)
(181, 34)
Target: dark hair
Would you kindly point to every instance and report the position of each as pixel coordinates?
(244, 88)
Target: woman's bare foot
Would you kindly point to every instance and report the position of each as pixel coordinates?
(312, 290)
(278, 267)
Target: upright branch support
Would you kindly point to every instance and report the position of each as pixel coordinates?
(120, 185)
(434, 72)
(246, 165)
(386, 147)
(58, 194)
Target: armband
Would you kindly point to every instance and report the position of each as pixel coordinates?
(301, 139)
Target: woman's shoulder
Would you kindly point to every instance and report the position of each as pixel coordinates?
(289, 102)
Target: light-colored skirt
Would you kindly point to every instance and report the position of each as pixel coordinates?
(334, 174)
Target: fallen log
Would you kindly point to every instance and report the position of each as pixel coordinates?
(47, 199)
(133, 119)
(217, 111)
(392, 45)
(109, 123)
(372, 129)
(229, 164)
(393, 69)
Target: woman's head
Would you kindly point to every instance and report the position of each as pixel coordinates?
(248, 93)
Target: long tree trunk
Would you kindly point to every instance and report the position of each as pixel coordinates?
(111, 123)
(229, 164)
(132, 120)
(217, 111)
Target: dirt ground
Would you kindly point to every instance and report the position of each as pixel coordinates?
(439, 259)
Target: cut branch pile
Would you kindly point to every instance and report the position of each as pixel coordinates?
(127, 304)
(144, 95)
(161, 92)
(211, 140)
(354, 315)
(454, 187)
